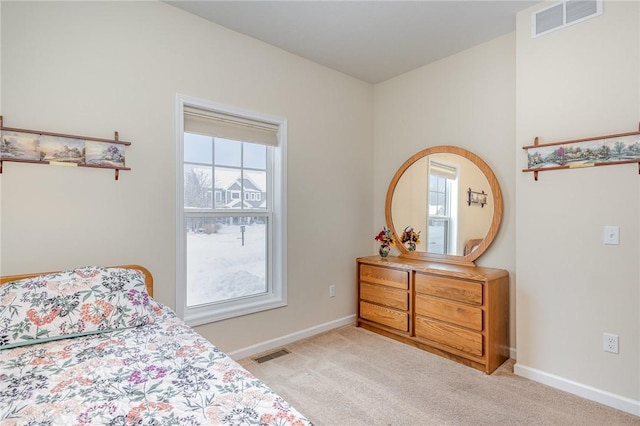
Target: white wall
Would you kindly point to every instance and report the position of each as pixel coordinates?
(467, 100)
(0, 114)
(92, 68)
(577, 82)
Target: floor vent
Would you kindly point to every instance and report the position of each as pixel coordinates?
(563, 14)
(272, 355)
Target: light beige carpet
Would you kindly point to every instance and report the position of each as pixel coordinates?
(350, 376)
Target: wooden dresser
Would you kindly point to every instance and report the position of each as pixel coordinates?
(458, 312)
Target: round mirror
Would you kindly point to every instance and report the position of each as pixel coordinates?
(450, 199)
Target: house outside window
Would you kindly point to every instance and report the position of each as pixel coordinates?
(231, 251)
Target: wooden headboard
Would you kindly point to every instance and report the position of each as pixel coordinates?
(148, 280)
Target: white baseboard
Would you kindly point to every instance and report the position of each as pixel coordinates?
(284, 340)
(603, 397)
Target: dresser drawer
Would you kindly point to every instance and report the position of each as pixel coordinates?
(449, 288)
(384, 276)
(386, 316)
(388, 296)
(455, 313)
(449, 335)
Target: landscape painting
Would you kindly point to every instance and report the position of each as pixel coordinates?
(20, 146)
(61, 149)
(587, 153)
(543, 157)
(624, 149)
(104, 154)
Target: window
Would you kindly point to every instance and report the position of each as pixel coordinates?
(441, 185)
(231, 246)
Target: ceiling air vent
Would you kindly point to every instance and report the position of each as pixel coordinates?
(563, 14)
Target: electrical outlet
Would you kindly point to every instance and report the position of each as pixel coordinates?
(610, 343)
(332, 291)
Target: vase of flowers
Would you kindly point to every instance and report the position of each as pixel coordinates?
(410, 238)
(386, 241)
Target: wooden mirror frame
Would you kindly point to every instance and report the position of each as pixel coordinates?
(497, 207)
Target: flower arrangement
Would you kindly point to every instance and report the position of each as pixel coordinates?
(386, 241)
(410, 238)
(385, 237)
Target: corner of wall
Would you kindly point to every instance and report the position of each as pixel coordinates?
(0, 115)
(572, 287)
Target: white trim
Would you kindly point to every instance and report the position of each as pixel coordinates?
(276, 295)
(181, 243)
(609, 399)
(513, 354)
(289, 338)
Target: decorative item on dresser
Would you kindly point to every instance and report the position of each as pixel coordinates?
(386, 241)
(433, 296)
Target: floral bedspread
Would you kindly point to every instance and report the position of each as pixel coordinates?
(162, 373)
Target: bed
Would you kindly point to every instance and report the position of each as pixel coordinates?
(91, 346)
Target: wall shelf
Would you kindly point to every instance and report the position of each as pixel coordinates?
(607, 150)
(38, 147)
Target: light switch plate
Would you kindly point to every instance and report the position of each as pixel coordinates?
(612, 235)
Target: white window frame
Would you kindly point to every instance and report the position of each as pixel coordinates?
(451, 208)
(445, 217)
(276, 295)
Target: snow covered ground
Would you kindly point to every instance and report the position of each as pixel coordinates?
(219, 267)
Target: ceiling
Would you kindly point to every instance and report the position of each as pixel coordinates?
(370, 40)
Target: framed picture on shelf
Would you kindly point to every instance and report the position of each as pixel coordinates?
(20, 146)
(475, 197)
(104, 154)
(62, 149)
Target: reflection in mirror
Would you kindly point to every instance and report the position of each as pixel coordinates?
(431, 196)
(452, 198)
